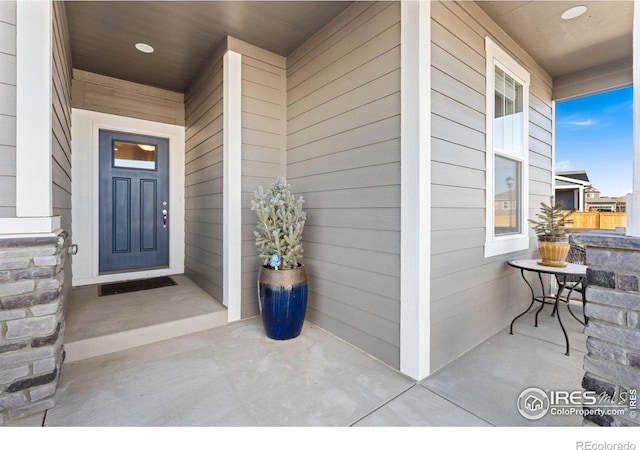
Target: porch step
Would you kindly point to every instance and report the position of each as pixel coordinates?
(99, 325)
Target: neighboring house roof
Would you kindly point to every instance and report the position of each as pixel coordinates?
(602, 200)
(567, 182)
(580, 175)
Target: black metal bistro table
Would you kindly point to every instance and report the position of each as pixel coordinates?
(561, 274)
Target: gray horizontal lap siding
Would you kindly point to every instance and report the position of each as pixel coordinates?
(61, 118)
(61, 128)
(7, 109)
(61, 113)
(473, 297)
(263, 144)
(203, 180)
(109, 95)
(343, 155)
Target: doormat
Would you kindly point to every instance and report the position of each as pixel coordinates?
(133, 286)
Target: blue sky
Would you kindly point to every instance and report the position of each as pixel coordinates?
(595, 133)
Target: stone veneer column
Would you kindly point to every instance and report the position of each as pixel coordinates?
(31, 323)
(612, 362)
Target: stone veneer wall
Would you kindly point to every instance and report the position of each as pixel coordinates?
(31, 323)
(612, 362)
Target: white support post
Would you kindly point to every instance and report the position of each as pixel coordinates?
(415, 154)
(232, 184)
(33, 110)
(633, 200)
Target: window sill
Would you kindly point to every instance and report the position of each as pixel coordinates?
(504, 245)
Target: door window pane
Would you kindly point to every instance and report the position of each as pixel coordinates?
(134, 156)
(507, 196)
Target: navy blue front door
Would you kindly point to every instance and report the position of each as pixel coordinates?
(134, 201)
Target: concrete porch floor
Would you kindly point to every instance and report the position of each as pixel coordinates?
(233, 375)
(100, 325)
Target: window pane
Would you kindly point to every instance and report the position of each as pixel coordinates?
(509, 116)
(507, 188)
(134, 156)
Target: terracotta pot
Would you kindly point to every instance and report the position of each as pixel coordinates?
(553, 250)
(283, 301)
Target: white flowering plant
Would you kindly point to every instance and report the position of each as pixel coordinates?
(280, 224)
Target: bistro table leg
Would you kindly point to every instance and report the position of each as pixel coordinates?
(533, 299)
(555, 308)
(561, 273)
(543, 298)
(569, 304)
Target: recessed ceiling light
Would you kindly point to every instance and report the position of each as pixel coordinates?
(144, 48)
(574, 12)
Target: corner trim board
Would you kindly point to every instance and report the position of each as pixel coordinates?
(232, 184)
(415, 154)
(34, 68)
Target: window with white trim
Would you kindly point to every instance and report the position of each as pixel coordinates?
(507, 134)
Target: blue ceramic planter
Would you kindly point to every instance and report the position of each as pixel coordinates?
(283, 301)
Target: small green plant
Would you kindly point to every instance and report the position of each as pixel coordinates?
(552, 220)
(280, 225)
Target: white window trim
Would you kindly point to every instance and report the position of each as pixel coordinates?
(498, 245)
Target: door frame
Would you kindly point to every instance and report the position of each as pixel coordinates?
(85, 197)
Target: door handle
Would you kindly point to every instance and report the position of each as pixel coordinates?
(164, 218)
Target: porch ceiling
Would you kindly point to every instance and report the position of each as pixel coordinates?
(184, 34)
(601, 36)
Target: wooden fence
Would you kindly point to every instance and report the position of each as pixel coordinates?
(598, 220)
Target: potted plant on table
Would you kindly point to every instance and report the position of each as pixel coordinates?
(282, 280)
(553, 242)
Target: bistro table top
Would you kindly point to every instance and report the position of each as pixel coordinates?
(534, 266)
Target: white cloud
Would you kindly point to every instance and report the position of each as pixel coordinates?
(581, 123)
(561, 166)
